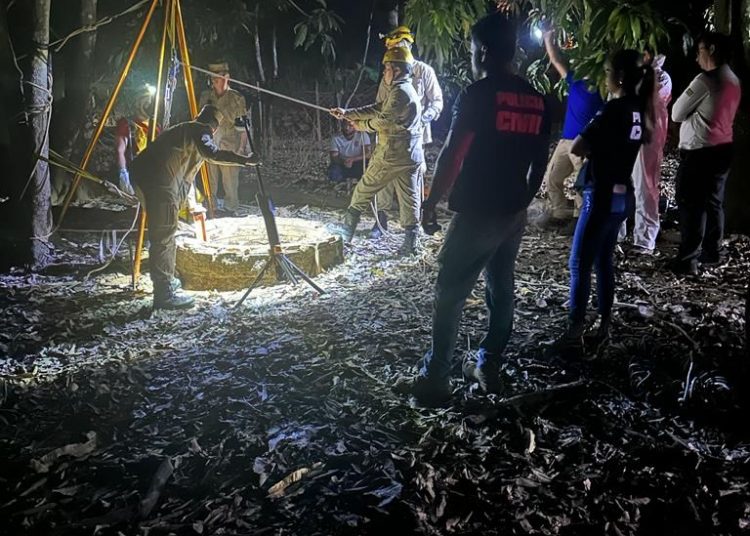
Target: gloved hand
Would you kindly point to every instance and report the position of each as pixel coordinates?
(338, 113)
(428, 116)
(124, 182)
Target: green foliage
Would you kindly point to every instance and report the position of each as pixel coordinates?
(589, 30)
(319, 26)
(442, 27)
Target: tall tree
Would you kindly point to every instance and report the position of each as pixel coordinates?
(78, 98)
(26, 219)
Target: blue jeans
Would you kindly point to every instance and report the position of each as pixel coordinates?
(594, 244)
(474, 243)
(339, 173)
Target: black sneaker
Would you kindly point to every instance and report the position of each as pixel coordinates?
(173, 301)
(596, 343)
(711, 259)
(570, 344)
(683, 267)
(427, 392)
(487, 375)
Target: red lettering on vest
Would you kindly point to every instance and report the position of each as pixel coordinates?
(519, 123)
(519, 100)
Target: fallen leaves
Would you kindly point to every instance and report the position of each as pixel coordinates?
(280, 417)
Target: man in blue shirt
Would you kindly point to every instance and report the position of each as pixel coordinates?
(584, 101)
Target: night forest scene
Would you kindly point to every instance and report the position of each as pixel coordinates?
(360, 267)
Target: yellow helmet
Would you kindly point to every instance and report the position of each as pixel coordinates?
(398, 54)
(395, 37)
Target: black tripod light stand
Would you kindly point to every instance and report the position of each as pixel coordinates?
(285, 268)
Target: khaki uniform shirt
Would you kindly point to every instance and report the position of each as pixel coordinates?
(232, 105)
(176, 155)
(425, 83)
(397, 120)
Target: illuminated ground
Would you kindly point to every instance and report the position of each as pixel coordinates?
(280, 418)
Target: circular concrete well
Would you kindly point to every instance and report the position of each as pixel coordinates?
(237, 249)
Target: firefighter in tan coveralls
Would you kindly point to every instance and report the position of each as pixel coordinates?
(163, 174)
(232, 105)
(398, 155)
(425, 82)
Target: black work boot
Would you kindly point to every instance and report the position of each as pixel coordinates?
(484, 368)
(172, 299)
(409, 247)
(381, 224)
(351, 220)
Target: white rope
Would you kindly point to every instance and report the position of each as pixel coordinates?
(258, 88)
(116, 249)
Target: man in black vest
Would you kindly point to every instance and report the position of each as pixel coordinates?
(493, 161)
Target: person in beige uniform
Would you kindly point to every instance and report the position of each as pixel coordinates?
(231, 104)
(163, 174)
(426, 84)
(398, 155)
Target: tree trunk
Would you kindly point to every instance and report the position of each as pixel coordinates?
(258, 55)
(275, 52)
(722, 16)
(391, 9)
(27, 217)
(78, 104)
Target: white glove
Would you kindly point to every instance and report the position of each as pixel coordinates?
(124, 183)
(428, 116)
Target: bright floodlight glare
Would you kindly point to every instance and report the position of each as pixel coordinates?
(151, 89)
(538, 34)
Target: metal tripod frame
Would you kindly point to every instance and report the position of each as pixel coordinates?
(285, 268)
(174, 32)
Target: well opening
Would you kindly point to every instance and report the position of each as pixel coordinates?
(237, 248)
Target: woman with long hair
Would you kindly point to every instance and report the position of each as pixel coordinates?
(610, 144)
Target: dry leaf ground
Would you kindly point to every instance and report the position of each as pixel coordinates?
(280, 418)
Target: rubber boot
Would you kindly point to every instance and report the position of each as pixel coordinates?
(172, 300)
(484, 368)
(380, 225)
(409, 247)
(175, 284)
(351, 220)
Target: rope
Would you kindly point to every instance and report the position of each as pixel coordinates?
(116, 249)
(56, 159)
(60, 161)
(258, 88)
(364, 57)
(58, 44)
